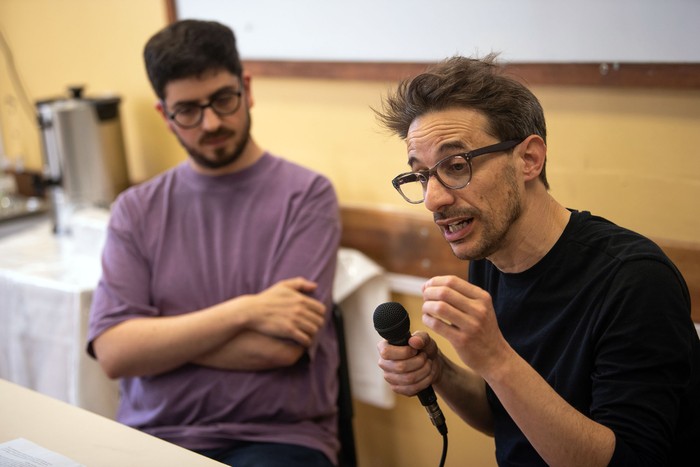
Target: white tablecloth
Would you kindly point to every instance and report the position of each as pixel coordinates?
(46, 285)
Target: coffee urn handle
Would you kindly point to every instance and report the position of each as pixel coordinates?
(76, 92)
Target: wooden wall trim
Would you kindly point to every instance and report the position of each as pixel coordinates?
(645, 75)
(170, 11)
(400, 242)
(410, 243)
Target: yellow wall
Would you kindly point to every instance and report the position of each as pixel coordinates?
(632, 155)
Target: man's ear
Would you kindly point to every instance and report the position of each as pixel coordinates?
(247, 89)
(161, 110)
(533, 155)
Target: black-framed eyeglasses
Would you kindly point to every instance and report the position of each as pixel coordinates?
(453, 172)
(190, 115)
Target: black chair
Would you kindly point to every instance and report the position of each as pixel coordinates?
(347, 456)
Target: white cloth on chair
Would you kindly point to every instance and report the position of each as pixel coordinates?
(360, 286)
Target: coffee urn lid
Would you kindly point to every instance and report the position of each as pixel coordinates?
(107, 107)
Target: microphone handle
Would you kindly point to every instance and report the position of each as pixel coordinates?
(427, 396)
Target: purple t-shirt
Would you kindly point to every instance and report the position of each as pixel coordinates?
(185, 241)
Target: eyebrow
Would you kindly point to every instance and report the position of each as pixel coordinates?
(455, 147)
(210, 97)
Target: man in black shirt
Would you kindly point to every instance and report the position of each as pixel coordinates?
(574, 334)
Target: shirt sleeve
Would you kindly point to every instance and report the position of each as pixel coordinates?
(644, 361)
(123, 290)
(310, 245)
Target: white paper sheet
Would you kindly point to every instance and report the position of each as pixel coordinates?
(23, 453)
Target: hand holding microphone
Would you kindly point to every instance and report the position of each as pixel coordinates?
(391, 321)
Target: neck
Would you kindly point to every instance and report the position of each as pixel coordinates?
(532, 235)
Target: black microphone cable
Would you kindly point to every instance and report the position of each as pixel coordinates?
(444, 449)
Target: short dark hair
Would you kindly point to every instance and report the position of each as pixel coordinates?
(189, 48)
(511, 109)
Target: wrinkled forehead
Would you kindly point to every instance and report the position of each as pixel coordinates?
(438, 134)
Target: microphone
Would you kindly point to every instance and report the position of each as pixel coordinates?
(392, 323)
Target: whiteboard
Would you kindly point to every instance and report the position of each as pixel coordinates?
(522, 31)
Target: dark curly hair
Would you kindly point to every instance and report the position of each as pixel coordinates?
(189, 48)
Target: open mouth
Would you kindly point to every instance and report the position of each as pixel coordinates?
(457, 226)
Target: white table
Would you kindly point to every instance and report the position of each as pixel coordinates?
(83, 436)
(46, 284)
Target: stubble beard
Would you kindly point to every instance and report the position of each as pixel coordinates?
(496, 229)
(223, 158)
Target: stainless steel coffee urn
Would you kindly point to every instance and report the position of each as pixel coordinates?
(84, 157)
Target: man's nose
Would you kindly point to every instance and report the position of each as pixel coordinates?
(437, 195)
(210, 119)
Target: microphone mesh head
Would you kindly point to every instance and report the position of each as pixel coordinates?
(391, 320)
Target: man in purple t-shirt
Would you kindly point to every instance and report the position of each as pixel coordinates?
(214, 304)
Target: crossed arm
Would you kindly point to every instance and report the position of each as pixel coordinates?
(250, 332)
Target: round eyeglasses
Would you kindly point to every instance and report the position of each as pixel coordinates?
(453, 172)
(191, 114)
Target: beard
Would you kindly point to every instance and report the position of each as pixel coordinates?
(497, 225)
(222, 157)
